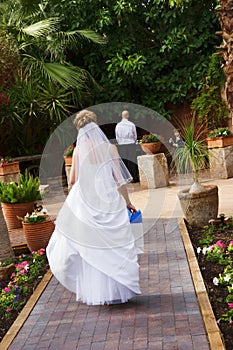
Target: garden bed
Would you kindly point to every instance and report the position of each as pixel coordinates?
(213, 246)
(18, 288)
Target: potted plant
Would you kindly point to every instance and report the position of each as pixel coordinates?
(199, 203)
(38, 228)
(150, 143)
(18, 198)
(8, 168)
(220, 137)
(68, 155)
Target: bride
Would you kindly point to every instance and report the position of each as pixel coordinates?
(92, 251)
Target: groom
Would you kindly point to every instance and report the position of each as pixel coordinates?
(126, 136)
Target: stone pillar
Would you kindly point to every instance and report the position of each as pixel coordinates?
(153, 170)
(221, 162)
(67, 169)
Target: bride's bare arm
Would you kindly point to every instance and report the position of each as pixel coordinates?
(73, 167)
(124, 192)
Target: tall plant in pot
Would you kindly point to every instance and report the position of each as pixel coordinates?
(18, 198)
(199, 203)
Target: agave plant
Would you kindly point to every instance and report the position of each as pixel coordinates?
(194, 153)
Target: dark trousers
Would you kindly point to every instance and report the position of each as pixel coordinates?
(129, 156)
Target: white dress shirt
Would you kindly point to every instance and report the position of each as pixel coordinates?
(125, 132)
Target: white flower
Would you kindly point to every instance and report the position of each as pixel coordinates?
(44, 211)
(33, 214)
(205, 250)
(227, 278)
(215, 281)
(26, 267)
(27, 215)
(0, 263)
(198, 250)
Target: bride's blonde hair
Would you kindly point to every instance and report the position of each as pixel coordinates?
(83, 118)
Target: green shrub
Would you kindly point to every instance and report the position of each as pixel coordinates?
(26, 190)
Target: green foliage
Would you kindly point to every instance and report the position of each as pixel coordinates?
(220, 132)
(26, 190)
(208, 232)
(150, 138)
(209, 106)
(195, 151)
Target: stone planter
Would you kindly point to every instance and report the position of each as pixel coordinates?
(12, 210)
(68, 160)
(199, 208)
(220, 142)
(153, 170)
(221, 162)
(151, 148)
(68, 163)
(6, 271)
(38, 234)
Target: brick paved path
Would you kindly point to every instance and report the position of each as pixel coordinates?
(165, 317)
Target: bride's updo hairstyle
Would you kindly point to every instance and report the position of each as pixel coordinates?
(83, 118)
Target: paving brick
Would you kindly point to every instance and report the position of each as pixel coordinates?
(165, 316)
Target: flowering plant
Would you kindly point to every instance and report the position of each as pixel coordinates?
(220, 253)
(13, 295)
(69, 151)
(150, 138)
(220, 132)
(5, 161)
(38, 215)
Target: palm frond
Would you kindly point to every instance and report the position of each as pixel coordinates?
(66, 75)
(87, 34)
(41, 28)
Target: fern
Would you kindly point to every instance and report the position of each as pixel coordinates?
(27, 190)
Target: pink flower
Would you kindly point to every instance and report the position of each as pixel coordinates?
(25, 263)
(220, 244)
(230, 305)
(12, 275)
(41, 251)
(231, 243)
(7, 289)
(21, 272)
(8, 309)
(18, 266)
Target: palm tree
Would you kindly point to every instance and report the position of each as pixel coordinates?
(225, 16)
(6, 251)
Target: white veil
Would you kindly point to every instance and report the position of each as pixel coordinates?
(100, 170)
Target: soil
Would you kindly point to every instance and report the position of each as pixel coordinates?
(209, 270)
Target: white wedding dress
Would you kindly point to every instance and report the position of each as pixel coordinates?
(92, 250)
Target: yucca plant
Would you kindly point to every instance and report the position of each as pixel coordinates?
(194, 154)
(25, 191)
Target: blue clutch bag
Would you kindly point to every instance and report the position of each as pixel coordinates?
(135, 218)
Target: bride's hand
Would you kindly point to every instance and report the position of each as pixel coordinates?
(131, 208)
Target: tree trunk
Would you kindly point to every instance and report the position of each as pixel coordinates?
(225, 17)
(5, 244)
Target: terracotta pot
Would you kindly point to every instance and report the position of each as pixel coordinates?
(11, 168)
(199, 207)
(151, 148)
(12, 210)
(68, 160)
(38, 234)
(219, 142)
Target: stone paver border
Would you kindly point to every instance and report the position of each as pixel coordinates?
(212, 329)
(19, 322)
